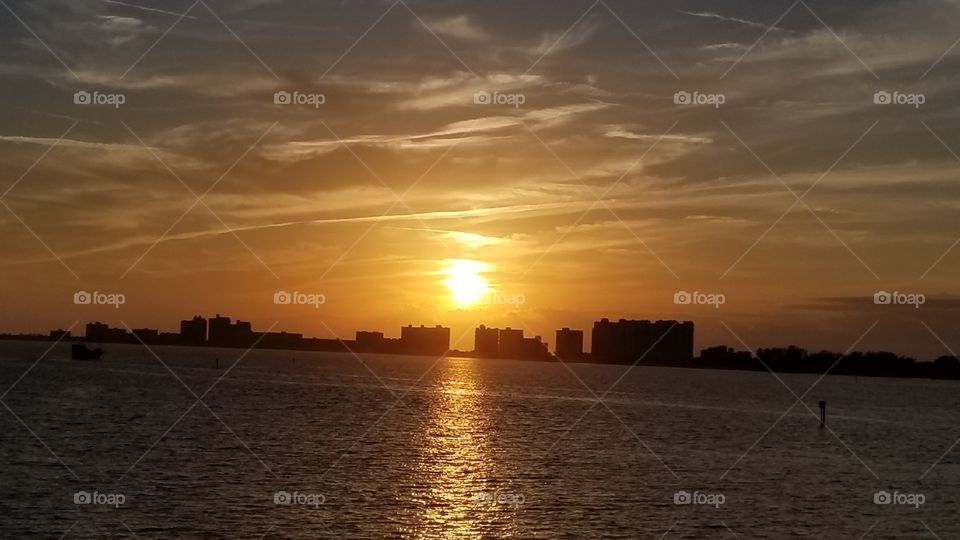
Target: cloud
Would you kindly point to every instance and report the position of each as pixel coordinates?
(146, 8)
(458, 27)
(709, 15)
(121, 29)
(623, 133)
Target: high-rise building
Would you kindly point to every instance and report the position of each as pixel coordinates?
(642, 341)
(486, 342)
(569, 344)
(425, 340)
(511, 343)
(220, 330)
(194, 331)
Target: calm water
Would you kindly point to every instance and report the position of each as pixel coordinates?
(395, 448)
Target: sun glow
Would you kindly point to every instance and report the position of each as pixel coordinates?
(467, 285)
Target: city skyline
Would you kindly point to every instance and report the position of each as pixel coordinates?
(465, 269)
(443, 162)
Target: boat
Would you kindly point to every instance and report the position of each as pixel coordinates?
(80, 351)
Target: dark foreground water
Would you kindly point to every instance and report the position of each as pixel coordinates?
(329, 446)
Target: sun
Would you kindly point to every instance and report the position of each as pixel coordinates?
(467, 285)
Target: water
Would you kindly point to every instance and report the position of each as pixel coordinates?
(401, 447)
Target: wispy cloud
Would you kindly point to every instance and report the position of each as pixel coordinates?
(709, 15)
(459, 27)
(146, 8)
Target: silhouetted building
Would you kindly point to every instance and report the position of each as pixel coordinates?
(224, 334)
(241, 335)
(271, 340)
(99, 332)
(146, 335)
(425, 340)
(194, 331)
(486, 342)
(367, 341)
(59, 335)
(511, 343)
(569, 344)
(642, 341)
(722, 355)
(220, 329)
(533, 348)
(508, 343)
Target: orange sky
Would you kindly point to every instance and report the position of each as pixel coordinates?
(550, 149)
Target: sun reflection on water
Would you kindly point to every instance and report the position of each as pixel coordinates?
(457, 463)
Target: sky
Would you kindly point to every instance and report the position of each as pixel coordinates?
(574, 160)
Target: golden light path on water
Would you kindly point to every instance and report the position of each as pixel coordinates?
(458, 471)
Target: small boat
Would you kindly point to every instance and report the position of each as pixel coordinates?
(80, 352)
